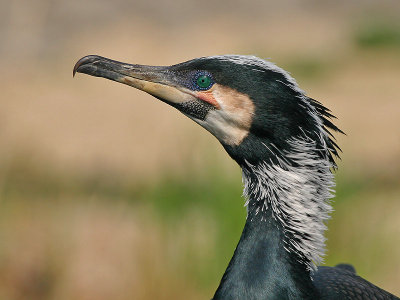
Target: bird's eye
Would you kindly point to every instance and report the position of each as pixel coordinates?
(204, 82)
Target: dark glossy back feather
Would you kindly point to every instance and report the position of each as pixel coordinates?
(342, 283)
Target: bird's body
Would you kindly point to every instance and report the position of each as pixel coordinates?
(283, 142)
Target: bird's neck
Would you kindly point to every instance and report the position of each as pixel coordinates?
(261, 268)
(283, 238)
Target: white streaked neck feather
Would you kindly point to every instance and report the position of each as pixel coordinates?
(299, 197)
(298, 185)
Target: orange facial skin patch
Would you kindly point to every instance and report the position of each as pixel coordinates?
(207, 96)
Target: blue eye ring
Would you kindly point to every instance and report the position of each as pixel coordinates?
(203, 81)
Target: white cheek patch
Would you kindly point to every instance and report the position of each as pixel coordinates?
(232, 121)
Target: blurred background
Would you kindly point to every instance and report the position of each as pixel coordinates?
(106, 193)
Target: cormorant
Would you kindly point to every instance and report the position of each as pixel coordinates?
(283, 142)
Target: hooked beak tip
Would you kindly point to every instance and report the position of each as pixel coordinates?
(84, 61)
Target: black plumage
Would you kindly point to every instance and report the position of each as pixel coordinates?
(284, 143)
(342, 282)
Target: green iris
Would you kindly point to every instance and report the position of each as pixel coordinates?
(203, 81)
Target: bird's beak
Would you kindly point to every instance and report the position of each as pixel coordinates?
(226, 113)
(154, 80)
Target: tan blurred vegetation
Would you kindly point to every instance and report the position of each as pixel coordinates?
(86, 164)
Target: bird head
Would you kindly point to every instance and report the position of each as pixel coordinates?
(250, 105)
